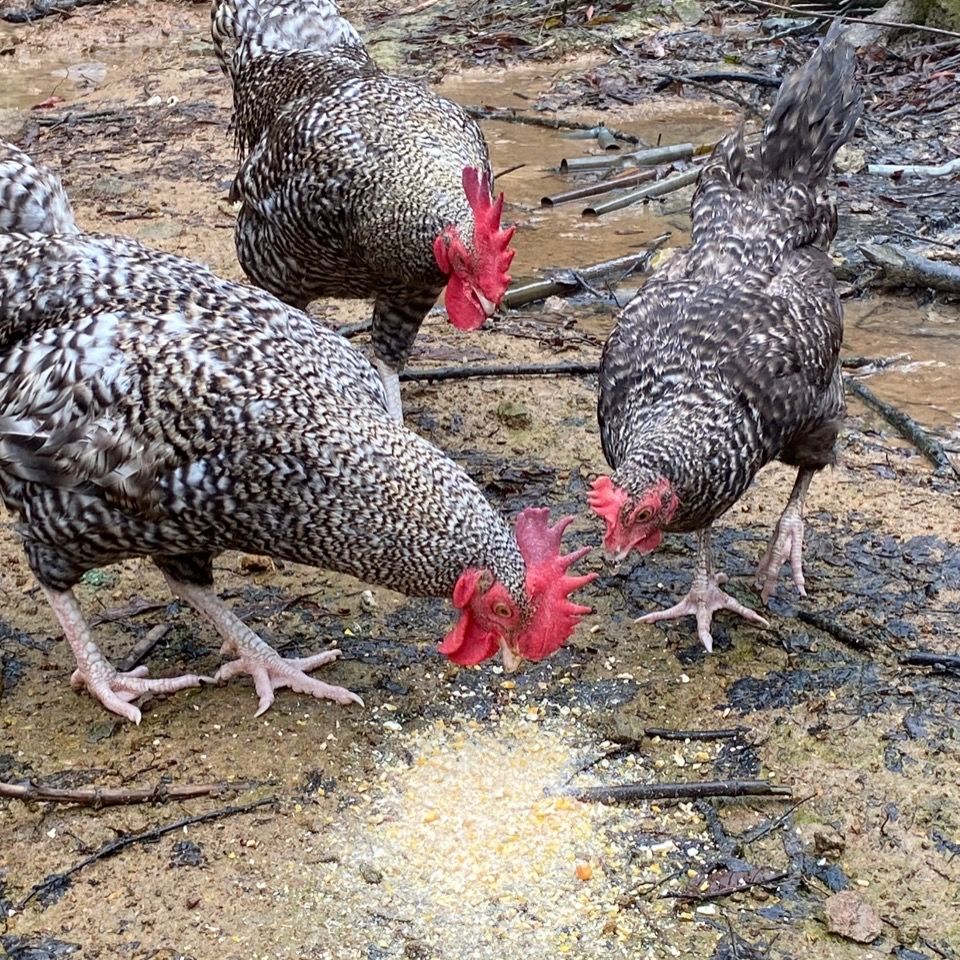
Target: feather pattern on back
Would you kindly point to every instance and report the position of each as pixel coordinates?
(349, 174)
(151, 408)
(728, 356)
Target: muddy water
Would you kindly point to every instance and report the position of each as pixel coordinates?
(925, 383)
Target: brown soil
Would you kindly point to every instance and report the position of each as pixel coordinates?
(419, 826)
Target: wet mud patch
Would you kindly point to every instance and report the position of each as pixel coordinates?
(419, 826)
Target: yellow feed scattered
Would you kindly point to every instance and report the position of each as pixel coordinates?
(478, 854)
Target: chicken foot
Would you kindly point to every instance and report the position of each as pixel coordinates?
(705, 597)
(94, 671)
(257, 658)
(786, 542)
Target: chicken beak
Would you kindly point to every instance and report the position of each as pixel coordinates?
(511, 659)
(488, 306)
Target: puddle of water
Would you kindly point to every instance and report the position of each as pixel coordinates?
(927, 386)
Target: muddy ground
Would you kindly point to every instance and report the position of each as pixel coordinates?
(428, 824)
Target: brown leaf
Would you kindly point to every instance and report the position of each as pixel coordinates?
(850, 917)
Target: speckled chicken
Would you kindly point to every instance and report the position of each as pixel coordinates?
(728, 357)
(149, 408)
(356, 183)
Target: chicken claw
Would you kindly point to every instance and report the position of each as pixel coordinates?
(94, 671)
(257, 658)
(786, 543)
(270, 672)
(704, 599)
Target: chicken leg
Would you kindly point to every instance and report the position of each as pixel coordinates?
(705, 597)
(95, 672)
(269, 670)
(786, 542)
(391, 386)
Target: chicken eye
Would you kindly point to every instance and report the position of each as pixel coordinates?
(502, 610)
(643, 516)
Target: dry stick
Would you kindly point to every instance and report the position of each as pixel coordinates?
(141, 649)
(44, 8)
(641, 158)
(541, 289)
(693, 790)
(659, 189)
(114, 847)
(927, 658)
(870, 23)
(915, 169)
(504, 370)
(665, 733)
(905, 425)
(745, 879)
(858, 363)
(511, 116)
(354, 329)
(629, 179)
(718, 76)
(908, 269)
(503, 173)
(98, 797)
(549, 370)
(836, 630)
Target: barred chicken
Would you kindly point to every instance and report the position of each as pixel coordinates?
(356, 183)
(149, 408)
(728, 358)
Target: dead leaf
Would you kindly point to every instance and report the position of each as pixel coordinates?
(852, 918)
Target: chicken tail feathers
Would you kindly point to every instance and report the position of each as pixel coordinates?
(815, 112)
(32, 198)
(243, 29)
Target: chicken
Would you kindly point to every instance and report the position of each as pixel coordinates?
(728, 358)
(149, 408)
(356, 183)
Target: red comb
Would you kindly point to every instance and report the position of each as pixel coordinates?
(548, 586)
(491, 243)
(606, 500)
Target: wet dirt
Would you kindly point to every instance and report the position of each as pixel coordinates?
(419, 826)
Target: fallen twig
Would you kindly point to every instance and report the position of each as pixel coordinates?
(629, 179)
(44, 8)
(98, 797)
(659, 189)
(915, 169)
(354, 329)
(836, 630)
(927, 658)
(766, 5)
(727, 733)
(693, 790)
(551, 123)
(504, 370)
(502, 173)
(764, 829)
(568, 282)
(114, 847)
(908, 269)
(141, 649)
(723, 883)
(905, 425)
(717, 76)
(640, 158)
(879, 363)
